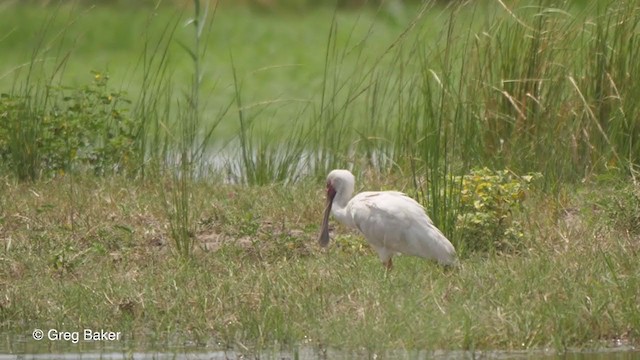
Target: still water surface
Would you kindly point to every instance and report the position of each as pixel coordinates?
(17, 348)
(308, 354)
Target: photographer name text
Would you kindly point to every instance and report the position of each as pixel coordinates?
(77, 336)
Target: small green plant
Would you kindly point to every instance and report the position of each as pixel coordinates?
(102, 134)
(487, 201)
(66, 259)
(352, 245)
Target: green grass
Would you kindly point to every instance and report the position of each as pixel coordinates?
(99, 255)
(168, 248)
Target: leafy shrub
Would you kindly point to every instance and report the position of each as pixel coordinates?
(487, 202)
(86, 128)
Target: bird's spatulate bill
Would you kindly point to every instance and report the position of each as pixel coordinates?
(323, 240)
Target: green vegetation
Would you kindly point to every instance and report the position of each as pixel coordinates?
(90, 128)
(488, 201)
(164, 180)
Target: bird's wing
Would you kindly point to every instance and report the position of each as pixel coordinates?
(395, 222)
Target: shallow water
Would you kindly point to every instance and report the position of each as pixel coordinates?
(309, 353)
(56, 344)
(226, 159)
(27, 348)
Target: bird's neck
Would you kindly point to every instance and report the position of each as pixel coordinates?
(339, 208)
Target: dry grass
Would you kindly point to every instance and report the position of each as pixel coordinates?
(95, 253)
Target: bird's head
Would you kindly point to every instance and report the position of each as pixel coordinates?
(338, 182)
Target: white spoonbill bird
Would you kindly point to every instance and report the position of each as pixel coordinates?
(391, 221)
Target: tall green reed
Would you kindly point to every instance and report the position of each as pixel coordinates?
(320, 137)
(436, 137)
(174, 141)
(24, 110)
(331, 132)
(361, 101)
(552, 84)
(607, 90)
(263, 156)
(448, 143)
(191, 146)
(154, 104)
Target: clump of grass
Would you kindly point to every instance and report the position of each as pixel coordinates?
(18, 137)
(621, 208)
(264, 156)
(542, 86)
(23, 112)
(190, 143)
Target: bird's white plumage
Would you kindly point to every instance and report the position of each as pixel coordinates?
(390, 221)
(394, 223)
